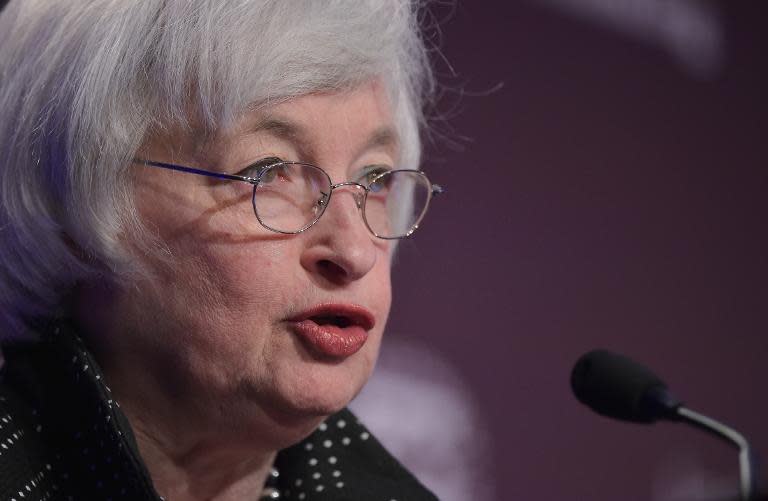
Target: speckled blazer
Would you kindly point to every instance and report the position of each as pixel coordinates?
(64, 437)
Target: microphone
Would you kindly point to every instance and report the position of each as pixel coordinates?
(615, 386)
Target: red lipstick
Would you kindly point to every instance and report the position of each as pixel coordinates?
(333, 330)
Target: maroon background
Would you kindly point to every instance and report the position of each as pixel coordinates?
(606, 198)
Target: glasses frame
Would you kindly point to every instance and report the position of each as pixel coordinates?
(434, 190)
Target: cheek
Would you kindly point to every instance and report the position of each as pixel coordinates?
(215, 286)
(176, 206)
(212, 235)
(219, 309)
(242, 279)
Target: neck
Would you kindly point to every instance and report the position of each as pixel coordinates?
(196, 470)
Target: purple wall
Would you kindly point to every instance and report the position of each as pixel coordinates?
(608, 197)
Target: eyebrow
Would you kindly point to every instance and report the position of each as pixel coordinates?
(280, 128)
(382, 137)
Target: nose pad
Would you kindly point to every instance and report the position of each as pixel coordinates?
(358, 195)
(359, 199)
(321, 203)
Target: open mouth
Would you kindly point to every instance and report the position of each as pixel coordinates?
(336, 320)
(341, 315)
(334, 330)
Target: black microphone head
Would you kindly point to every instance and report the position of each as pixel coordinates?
(617, 387)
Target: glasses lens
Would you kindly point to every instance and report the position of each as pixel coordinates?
(396, 202)
(290, 197)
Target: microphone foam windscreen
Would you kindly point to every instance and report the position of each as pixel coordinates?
(617, 387)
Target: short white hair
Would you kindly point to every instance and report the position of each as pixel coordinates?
(83, 81)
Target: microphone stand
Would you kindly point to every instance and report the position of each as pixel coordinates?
(720, 430)
(617, 387)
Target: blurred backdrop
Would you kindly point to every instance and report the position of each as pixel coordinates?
(609, 189)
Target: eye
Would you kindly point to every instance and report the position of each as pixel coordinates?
(254, 169)
(370, 177)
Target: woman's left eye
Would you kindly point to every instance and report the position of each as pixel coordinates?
(371, 172)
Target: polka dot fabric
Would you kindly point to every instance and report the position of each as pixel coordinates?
(341, 460)
(76, 434)
(64, 437)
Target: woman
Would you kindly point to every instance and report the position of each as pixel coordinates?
(179, 320)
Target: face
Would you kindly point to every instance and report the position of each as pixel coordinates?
(222, 331)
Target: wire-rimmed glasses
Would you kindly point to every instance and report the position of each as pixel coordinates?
(290, 197)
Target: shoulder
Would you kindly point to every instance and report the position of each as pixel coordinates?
(25, 467)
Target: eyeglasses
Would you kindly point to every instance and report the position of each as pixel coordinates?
(290, 197)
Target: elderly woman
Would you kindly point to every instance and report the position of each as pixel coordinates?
(199, 204)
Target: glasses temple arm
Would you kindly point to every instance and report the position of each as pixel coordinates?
(191, 170)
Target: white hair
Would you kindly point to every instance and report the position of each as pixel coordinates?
(82, 82)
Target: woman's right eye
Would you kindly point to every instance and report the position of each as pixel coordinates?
(254, 169)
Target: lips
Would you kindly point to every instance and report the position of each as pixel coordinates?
(333, 330)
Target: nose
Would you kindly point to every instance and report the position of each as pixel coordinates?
(340, 248)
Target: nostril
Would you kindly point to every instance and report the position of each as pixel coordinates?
(331, 269)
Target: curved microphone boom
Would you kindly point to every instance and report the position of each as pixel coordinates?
(617, 387)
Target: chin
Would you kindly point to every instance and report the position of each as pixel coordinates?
(294, 418)
(318, 391)
(302, 390)
(325, 399)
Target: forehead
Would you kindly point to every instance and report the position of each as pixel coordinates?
(359, 118)
(316, 125)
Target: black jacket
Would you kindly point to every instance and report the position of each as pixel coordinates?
(64, 437)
